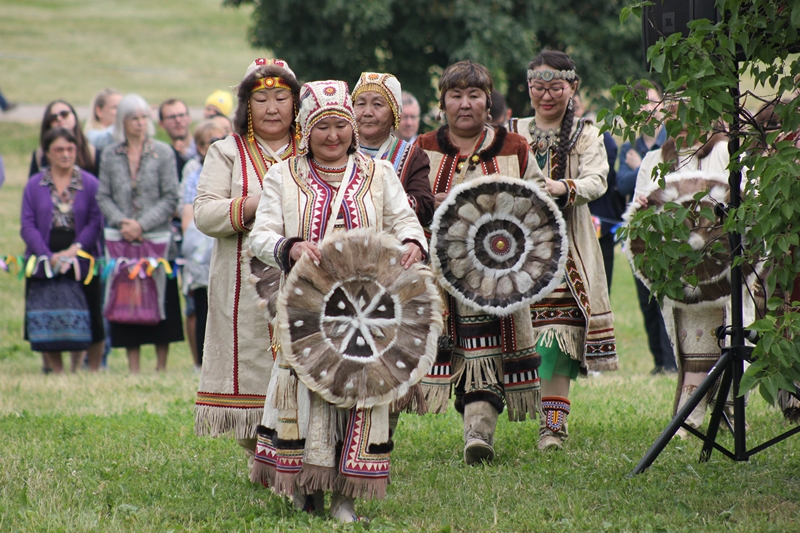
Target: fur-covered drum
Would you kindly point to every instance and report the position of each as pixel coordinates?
(359, 329)
(498, 244)
(713, 273)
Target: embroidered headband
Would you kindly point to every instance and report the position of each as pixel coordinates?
(550, 75)
(270, 82)
(387, 86)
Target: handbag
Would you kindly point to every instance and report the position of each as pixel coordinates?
(137, 285)
(57, 316)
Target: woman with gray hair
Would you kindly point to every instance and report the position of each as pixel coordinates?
(138, 194)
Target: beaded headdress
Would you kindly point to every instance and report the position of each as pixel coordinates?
(262, 74)
(550, 75)
(323, 99)
(387, 86)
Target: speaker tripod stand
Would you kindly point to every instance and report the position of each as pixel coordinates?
(730, 364)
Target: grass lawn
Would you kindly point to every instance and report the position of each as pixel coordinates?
(113, 452)
(73, 48)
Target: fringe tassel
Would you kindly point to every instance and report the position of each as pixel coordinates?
(285, 387)
(436, 396)
(570, 340)
(521, 403)
(695, 365)
(364, 488)
(413, 402)
(283, 483)
(217, 421)
(313, 477)
(263, 473)
(478, 370)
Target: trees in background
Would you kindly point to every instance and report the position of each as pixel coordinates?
(416, 39)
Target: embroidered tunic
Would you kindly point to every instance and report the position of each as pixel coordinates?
(578, 315)
(493, 358)
(298, 440)
(237, 359)
(412, 166)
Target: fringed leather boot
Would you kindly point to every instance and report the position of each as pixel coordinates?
(553, 423)
(480, 421)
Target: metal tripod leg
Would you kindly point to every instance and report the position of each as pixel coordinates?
(661, 442)
(716, 416)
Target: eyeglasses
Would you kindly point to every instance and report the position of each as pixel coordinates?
(555, 92)
(61, 114)
(176, 117)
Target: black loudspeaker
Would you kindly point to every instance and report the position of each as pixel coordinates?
(673, 16)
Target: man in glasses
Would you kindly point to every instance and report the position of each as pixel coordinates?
(173, 116)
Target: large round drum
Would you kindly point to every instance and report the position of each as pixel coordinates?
(359, 329)
(498, 244)
(713, 273)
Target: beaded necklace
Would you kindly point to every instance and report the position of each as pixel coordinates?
(326, 169)
(543, 140)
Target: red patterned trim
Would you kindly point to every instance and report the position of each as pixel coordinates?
(236, 294)
(572, 193)
(231, 401)
(577, 284)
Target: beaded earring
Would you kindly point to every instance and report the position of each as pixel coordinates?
(570, 104)
(298, 134)
(439, 113)
(250, 134)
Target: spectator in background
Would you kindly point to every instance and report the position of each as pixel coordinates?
(218, 103)
(173, 116)
(5, 105)
(409, 121)
(499, 112)
(630, 158)
(60, 217)
(223, 122)
(60, 114)
(139, 193)
(102, 112)
(197, 246)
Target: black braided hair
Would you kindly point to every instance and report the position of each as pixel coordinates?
(559, 61)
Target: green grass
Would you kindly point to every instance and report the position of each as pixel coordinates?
(114, 452)
(73, 48)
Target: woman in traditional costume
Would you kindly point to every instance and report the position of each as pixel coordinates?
(574, 326)
(297, 447)
(692, 323)
(377, 100)
(493, 357)
(236, 359)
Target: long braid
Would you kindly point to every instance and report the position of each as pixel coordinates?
(563, 142)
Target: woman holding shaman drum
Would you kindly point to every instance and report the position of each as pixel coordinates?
(333, 190)
(236, 359)
(574, 327)
(493, 360)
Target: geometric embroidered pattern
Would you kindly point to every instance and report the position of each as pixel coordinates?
(356, 461)
(556, 409)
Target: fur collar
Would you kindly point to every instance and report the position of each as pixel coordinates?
(493, 150)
